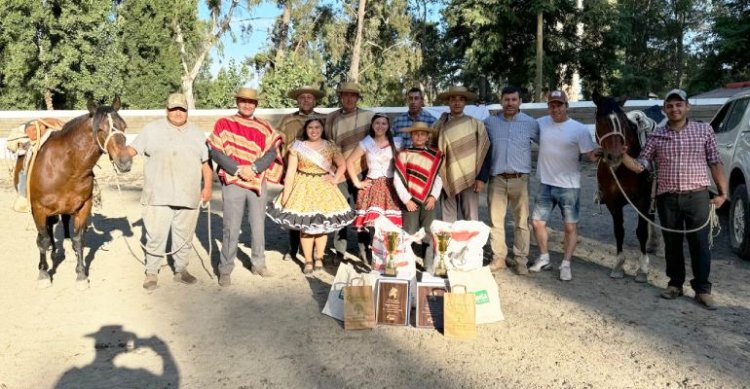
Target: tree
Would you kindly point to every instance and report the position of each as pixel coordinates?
(219, 92)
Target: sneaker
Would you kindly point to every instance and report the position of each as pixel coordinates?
(671, 293)
(565, 273)
(540, 264)
(185, 278)
(288, 257)
(521, 269)
(262, 271)
(225, 280)
(706, 300)
(497, 264)
(150, 282)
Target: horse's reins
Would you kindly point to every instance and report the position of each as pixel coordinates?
(713, 219)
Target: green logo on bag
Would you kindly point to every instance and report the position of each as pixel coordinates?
(481, 297)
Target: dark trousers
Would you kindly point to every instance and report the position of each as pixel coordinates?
(294, 242)
(413, 221)
(686, 211)
(340, 237)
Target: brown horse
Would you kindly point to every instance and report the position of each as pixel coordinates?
(613, 131)
(61, 178)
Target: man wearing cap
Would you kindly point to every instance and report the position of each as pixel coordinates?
(415, 113)
(464, 142)
(508, 165)
(246, 149)
(291, 125)
(561, 142)
(176, 161)
(685, 151)
(346, 127)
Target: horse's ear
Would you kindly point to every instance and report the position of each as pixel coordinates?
(91, 106)
(596, 97)
(621, 100)
(116, 103)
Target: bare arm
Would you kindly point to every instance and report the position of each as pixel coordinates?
(717, 172)
(208, 180)
(632, 164)
(351, 165)
(340, 163)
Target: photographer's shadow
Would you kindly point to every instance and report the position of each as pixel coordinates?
(110, 342)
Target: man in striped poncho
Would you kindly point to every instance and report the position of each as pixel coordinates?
(246, 148)
(465, 143)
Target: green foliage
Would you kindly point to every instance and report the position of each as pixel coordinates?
(290, 73)
(219, 92)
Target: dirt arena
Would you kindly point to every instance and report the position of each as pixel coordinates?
(591, 332)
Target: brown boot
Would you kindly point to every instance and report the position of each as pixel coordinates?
(497, 264)
(150, 282)
(521, 269)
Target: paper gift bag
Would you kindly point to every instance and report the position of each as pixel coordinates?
(359, 306)
(483, 286)
(466, 247)
(458, 314)
(335, 304)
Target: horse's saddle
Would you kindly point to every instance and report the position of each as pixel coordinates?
(21, 137)
(644, 125)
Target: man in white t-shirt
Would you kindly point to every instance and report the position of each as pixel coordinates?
(561, 142)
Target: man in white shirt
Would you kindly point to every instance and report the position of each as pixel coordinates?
(561, 141)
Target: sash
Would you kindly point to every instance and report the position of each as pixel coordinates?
(314, 156)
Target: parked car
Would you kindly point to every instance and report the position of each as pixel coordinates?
(732, 128)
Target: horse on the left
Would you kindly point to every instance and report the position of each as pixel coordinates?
(61, 178)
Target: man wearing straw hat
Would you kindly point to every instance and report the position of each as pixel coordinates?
(246, 149)
(465, 143)
(346, 127)
(177, 160)
(307, 97)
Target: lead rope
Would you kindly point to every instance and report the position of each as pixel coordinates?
(712, 222)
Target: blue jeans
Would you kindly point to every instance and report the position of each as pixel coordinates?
(550, 196)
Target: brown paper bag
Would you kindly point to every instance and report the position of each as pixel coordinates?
(459, 315)
(359, 306)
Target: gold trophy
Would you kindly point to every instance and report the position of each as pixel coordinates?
(443, 238)
(391, 245)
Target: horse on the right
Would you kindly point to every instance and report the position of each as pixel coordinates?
(618, 186)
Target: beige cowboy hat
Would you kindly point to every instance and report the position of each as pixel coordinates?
(419, 126)
(457, 91)
(247, 93)
(294, 93)
(351, 87)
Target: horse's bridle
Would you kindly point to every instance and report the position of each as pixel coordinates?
(616, 130)
(112, 132)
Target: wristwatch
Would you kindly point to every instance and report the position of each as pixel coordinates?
(252, 167)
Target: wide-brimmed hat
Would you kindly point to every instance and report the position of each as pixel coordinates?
(457, 91)
(351, 87)
(177, 100)
(247, 93)
(419, 126)
(294, 93)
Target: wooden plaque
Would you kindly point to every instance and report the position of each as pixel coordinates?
(393, 302)
(430, 305)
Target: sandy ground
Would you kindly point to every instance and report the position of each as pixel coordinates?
(591, 332)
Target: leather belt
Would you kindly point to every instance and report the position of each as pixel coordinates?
(689, 191)
(511, 175)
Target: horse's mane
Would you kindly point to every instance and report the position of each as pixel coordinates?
(606, 106)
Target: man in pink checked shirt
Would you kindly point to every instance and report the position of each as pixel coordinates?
(684, 151)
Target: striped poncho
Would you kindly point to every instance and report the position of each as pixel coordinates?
(347, 129)
(417, 169)
(465, 143)
(245, 140)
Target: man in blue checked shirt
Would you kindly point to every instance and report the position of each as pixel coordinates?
(415, 103)
(507, 166)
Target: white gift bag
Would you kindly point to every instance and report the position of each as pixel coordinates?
(482, 284)
(466, 247)
(403, 257)
(335, 304)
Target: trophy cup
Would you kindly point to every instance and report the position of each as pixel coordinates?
(391, 245)
(443, 238)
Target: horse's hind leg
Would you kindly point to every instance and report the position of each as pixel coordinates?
(66, 226)
(44, 242)
(618, 224)
(642, 232)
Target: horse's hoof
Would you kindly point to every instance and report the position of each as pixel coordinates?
(617, 273)
(82, 284)
(641, 277)
(44, 283)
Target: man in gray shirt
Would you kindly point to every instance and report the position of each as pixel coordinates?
(177, 160)
(508, 164)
